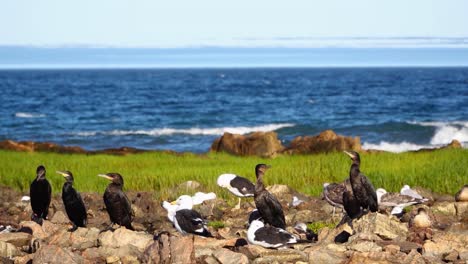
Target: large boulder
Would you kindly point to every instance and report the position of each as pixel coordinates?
(8, 250)
(264, 144)
(18, 239)
(443, 243)
(327, 141)
(55, 254)
(123, 237)
(38, 146)
(386, 227)
(226, 256)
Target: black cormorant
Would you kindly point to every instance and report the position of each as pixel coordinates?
(350, 204)
(118, 205)
(74, 205)
(363, 189)
(187, 220)
(268, 206)
(237, 185)
(40, 193)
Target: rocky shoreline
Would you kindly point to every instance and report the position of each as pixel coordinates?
(376, 237)
(262, 144)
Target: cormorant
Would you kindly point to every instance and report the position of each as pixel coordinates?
(363, 189)
(187, 220)
(462, 195)
(74, 205)
(350, 203)
(118, 205)
(237, 185)
(396, 201)
(268, 206)
(40, 192)
(269, 236)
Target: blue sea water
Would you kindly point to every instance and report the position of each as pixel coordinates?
(394, 109)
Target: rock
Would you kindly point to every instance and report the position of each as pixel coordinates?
(364, 246)
(129, 260)
(36, 230)
(112, 259)
(451, 257)
(182, 249)
(81, 238)
(462, 210)
(92, 255)
(8, 250)
(454, 144)
(327, 141)
(446, 208)
(26, 259)
(226, 256)
(252, 251)
(325, 256)
(55, 254)
(386, 227)
(188, 186)
(122, 237)
(382, 257)
(59, 218)
(38, 146)
(205, 246)
(283, 256)
(121, 252)
(18, 239)
(210, 260)
(263, 144)
(445, 242)
(403, 246)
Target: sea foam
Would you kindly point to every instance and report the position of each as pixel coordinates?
(447, 131)
(189, 131)
(394, 147)
(28, 115)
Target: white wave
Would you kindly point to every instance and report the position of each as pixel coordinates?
(189, 131)
(447, 131)
(395, 147)
(28, 115)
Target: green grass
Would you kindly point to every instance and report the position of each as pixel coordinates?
(443, 171)
(216, 224)
(316, 226)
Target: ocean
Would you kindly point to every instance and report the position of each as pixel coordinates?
(393, 109)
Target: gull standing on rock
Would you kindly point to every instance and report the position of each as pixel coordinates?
(267, 204)
(406, 190)
(363, 189)
(396, 200)
(74, 205)
(40, 192)
(237, 185)
(118, 205)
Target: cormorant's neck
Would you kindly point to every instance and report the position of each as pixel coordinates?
(116, 185)
(259, 186)
(354, 171)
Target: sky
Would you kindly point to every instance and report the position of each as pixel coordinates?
(240, 23)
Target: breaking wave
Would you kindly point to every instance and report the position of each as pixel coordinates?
(189, 131)
(447, 131)
(28, 115)
(394, 147)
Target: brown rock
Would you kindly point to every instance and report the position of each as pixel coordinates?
(59, 218)
(122, 237)
(264, 144)
(182, 249)
(24, 259)
(319, 255)
(327, 141)
(36, 229)
(18, 239)
(226, 256)
(445, 242)
(55, 254)
(386, 227)
(8, 250)
(454, 144)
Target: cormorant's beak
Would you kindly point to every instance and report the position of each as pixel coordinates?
(268, 166)
(105, 176)
(351, 155)
(62, 173)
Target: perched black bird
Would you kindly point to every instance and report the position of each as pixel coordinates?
(187, 220)
(74, 205)
(268, 206)
(350, 203)
(117, 204)
(40, 193)
(363, 189)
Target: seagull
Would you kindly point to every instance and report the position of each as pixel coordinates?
(296, 201)
(200, 197)
(237, 185)
(333, 194)
(406, 190)
(269, 236)
(187, 220)
(396, 200)
(197, 198)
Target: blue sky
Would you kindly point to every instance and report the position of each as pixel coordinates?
(240, 23)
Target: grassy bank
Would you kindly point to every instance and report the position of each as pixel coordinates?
(443, 171)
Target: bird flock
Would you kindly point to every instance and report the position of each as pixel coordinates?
(267, 224)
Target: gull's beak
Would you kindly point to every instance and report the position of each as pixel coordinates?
(351, 155)
(105, 176)
(174, 202)
(62, 173)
